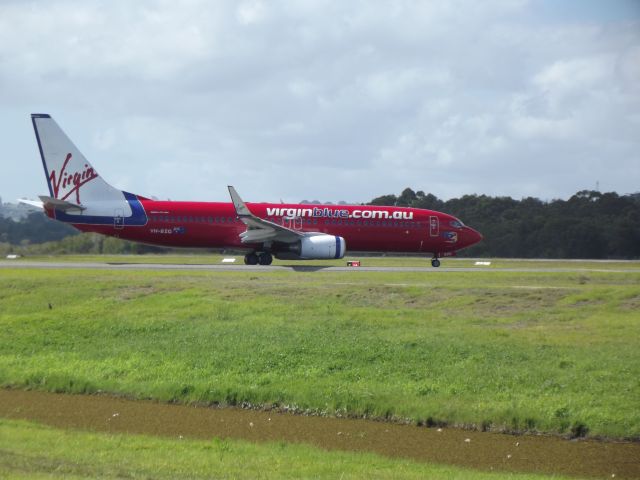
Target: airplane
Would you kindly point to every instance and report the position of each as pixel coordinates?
(79, 196)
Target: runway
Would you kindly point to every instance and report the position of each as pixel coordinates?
(22, 264)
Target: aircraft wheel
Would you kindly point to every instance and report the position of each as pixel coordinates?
(435, 263)
(265, 258)
(251, 259)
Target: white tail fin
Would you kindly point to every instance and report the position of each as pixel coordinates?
(77, 193)
(69, 175)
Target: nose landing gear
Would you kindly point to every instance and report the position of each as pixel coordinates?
(435, 262)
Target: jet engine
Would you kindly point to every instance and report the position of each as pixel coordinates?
(316, 247)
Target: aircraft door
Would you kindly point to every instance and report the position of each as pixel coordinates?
(118, 219)
(434, 226)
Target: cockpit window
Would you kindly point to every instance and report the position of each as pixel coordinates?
(456, 224)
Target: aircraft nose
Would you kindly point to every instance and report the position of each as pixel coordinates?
(472, 236)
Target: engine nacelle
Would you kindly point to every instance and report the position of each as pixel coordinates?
(316, 247)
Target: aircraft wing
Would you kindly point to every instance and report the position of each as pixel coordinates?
(261, 230)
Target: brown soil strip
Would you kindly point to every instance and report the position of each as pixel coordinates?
(486, 451)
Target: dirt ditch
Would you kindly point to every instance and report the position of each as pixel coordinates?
(485, 451)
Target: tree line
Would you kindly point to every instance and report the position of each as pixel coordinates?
(590, 224)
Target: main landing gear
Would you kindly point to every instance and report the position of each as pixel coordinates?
(262, 258)
(435, 262)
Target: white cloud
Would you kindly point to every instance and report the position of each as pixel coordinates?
(323, 99)
(250, 12)
(579, 73)
(543, 128)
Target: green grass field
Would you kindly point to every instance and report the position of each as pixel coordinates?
(534, 351)
(33, 451)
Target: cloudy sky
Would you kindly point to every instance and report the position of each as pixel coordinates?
(328, 100)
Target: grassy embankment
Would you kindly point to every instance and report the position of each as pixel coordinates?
(551, 352)
(31, 451)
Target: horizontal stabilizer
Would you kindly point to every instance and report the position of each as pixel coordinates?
(62, 205)
(32, 203)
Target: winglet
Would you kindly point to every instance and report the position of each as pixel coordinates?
(240, 206)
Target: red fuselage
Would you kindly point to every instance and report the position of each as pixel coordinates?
(364, 228)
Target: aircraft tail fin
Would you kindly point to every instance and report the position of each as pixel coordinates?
(70, 176)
